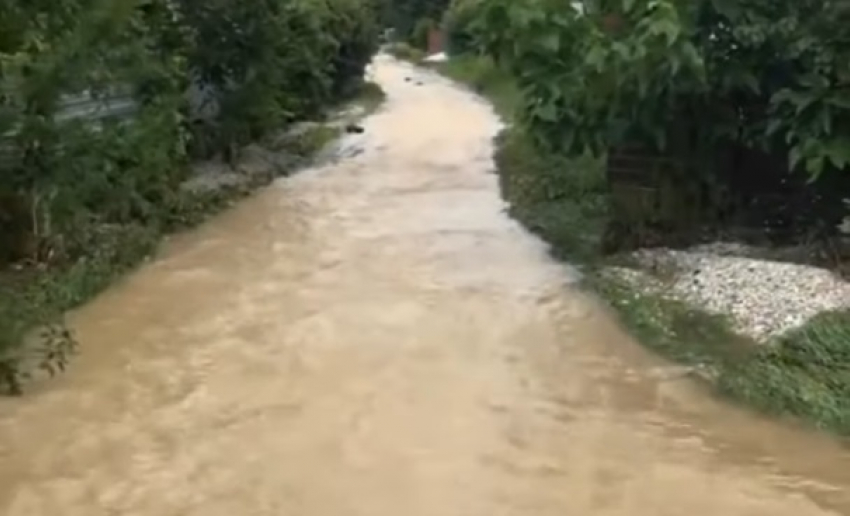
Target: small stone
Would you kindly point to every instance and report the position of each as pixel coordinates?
(764, 298)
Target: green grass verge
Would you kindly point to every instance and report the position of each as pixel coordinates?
(37, 298)
(405, 51)
(672, 328)
(805, 374)
(370, 97)
(484, 77)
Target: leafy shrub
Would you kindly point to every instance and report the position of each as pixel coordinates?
(406, 15)
(113, 168)
(421, 31)
(459, 26)
(766, 74)
(576, 82)
(562, 199)
(355, 26)
(287, 60)
(405, 51)
(484, 76)
(72, 177)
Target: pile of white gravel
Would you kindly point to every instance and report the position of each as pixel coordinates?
(763, 298)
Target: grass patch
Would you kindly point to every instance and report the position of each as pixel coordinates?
(33, 300)
(562, 200)
(370, 97)
(310, 141)
(805, 374)
(483, 76)
(673, 329)
(405, 52)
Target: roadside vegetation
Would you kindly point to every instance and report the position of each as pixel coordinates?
(104, 108)
(681, 80)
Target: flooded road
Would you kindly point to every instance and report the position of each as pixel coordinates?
(376, 338)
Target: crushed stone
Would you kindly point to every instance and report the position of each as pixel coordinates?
(762, 298)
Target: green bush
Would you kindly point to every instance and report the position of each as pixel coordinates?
(805, 374)
(419, 37)
(290, 59)
(406, 52)
(765, 74)
(459, 27)
(562, 199)
(405, 15)
(482, 75)
(70, 184)
(356, 27)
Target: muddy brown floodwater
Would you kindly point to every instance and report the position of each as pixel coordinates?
(375, 337)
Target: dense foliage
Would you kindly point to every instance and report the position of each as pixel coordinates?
(770, 77)
(411, 19)
(597, 74)
(103, 103)
(460, 28)
(275, 62)
(63, 168)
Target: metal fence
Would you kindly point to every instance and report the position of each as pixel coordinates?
(85, 106)
(201, 98)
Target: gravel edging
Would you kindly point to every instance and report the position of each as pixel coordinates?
(762, 298)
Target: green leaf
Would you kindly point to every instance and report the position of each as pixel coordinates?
(800, 100)
(794, 157)
(839, 100)
(815, 81)
(728, 8)
(595, 58)
(694, 60)
(569, 140)
(814, 166)
(773, 126)
(750, 81)
(668, 29)
(826, 121)
(551, 42)
(547, 112)
(660, 137)
(838, 152)
(621, 50)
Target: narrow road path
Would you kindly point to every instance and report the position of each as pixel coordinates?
(376, 338)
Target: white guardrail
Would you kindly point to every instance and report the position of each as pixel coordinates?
(202, 101)
(74, 107)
